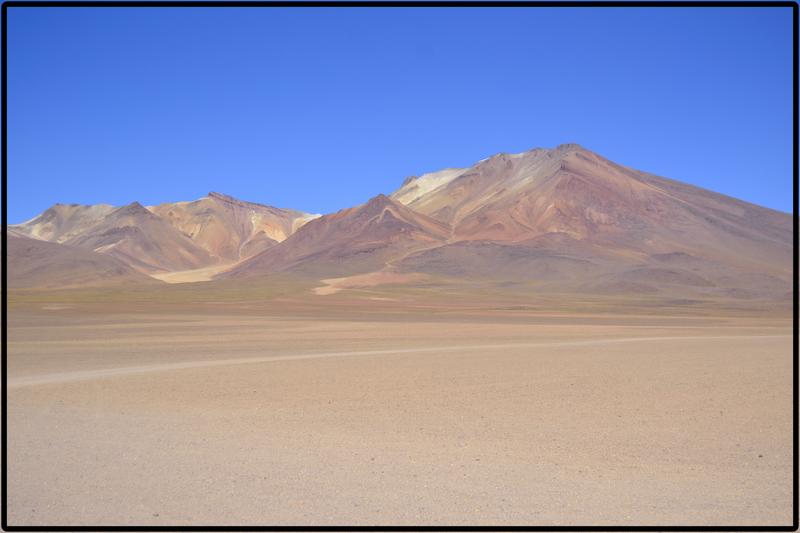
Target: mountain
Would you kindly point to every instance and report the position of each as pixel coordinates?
(570, 190)
(63, 221)
(638, 231)
(171, 237)
(230, 229)
(142, 240)
(561, 219)
(360, 239)
(37, 263)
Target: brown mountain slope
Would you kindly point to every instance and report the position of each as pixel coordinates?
(553, 257)
(40, 264)
(230, 229)
(351, 241)
(510, 197)
(562, 219)
(630, 217)
(142, 240)
(214, 231)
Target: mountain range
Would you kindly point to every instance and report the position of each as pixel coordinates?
(216, 229)
(558, 220)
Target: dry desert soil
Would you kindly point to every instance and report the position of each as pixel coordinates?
(289, 414)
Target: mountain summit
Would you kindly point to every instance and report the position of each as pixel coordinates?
(570, 190)
(555, 219)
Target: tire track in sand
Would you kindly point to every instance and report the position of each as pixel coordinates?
(88, 375)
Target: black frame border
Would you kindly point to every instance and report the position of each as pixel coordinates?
(384, 4)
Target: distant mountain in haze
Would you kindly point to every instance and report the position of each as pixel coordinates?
(213, 230)
(563, 219)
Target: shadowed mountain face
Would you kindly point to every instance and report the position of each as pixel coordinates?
(36, 263)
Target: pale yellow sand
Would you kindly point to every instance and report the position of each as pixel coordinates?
(192, 276)
(371, 279)
(139, 419)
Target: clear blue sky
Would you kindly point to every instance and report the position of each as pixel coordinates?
(320, 109)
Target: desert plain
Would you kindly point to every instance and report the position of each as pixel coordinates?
(543, 338)
(378, 406)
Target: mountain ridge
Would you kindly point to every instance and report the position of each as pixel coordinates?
(560, 219)
(168, 237)
(365, 235)
(569, 219)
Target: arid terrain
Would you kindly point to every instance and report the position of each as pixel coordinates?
(544, 338)
(361, 413)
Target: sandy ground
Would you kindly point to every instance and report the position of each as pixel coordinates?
(192, 276)
(372, 279)
(184, 418)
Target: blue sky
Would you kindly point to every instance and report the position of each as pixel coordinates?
(320, 109)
